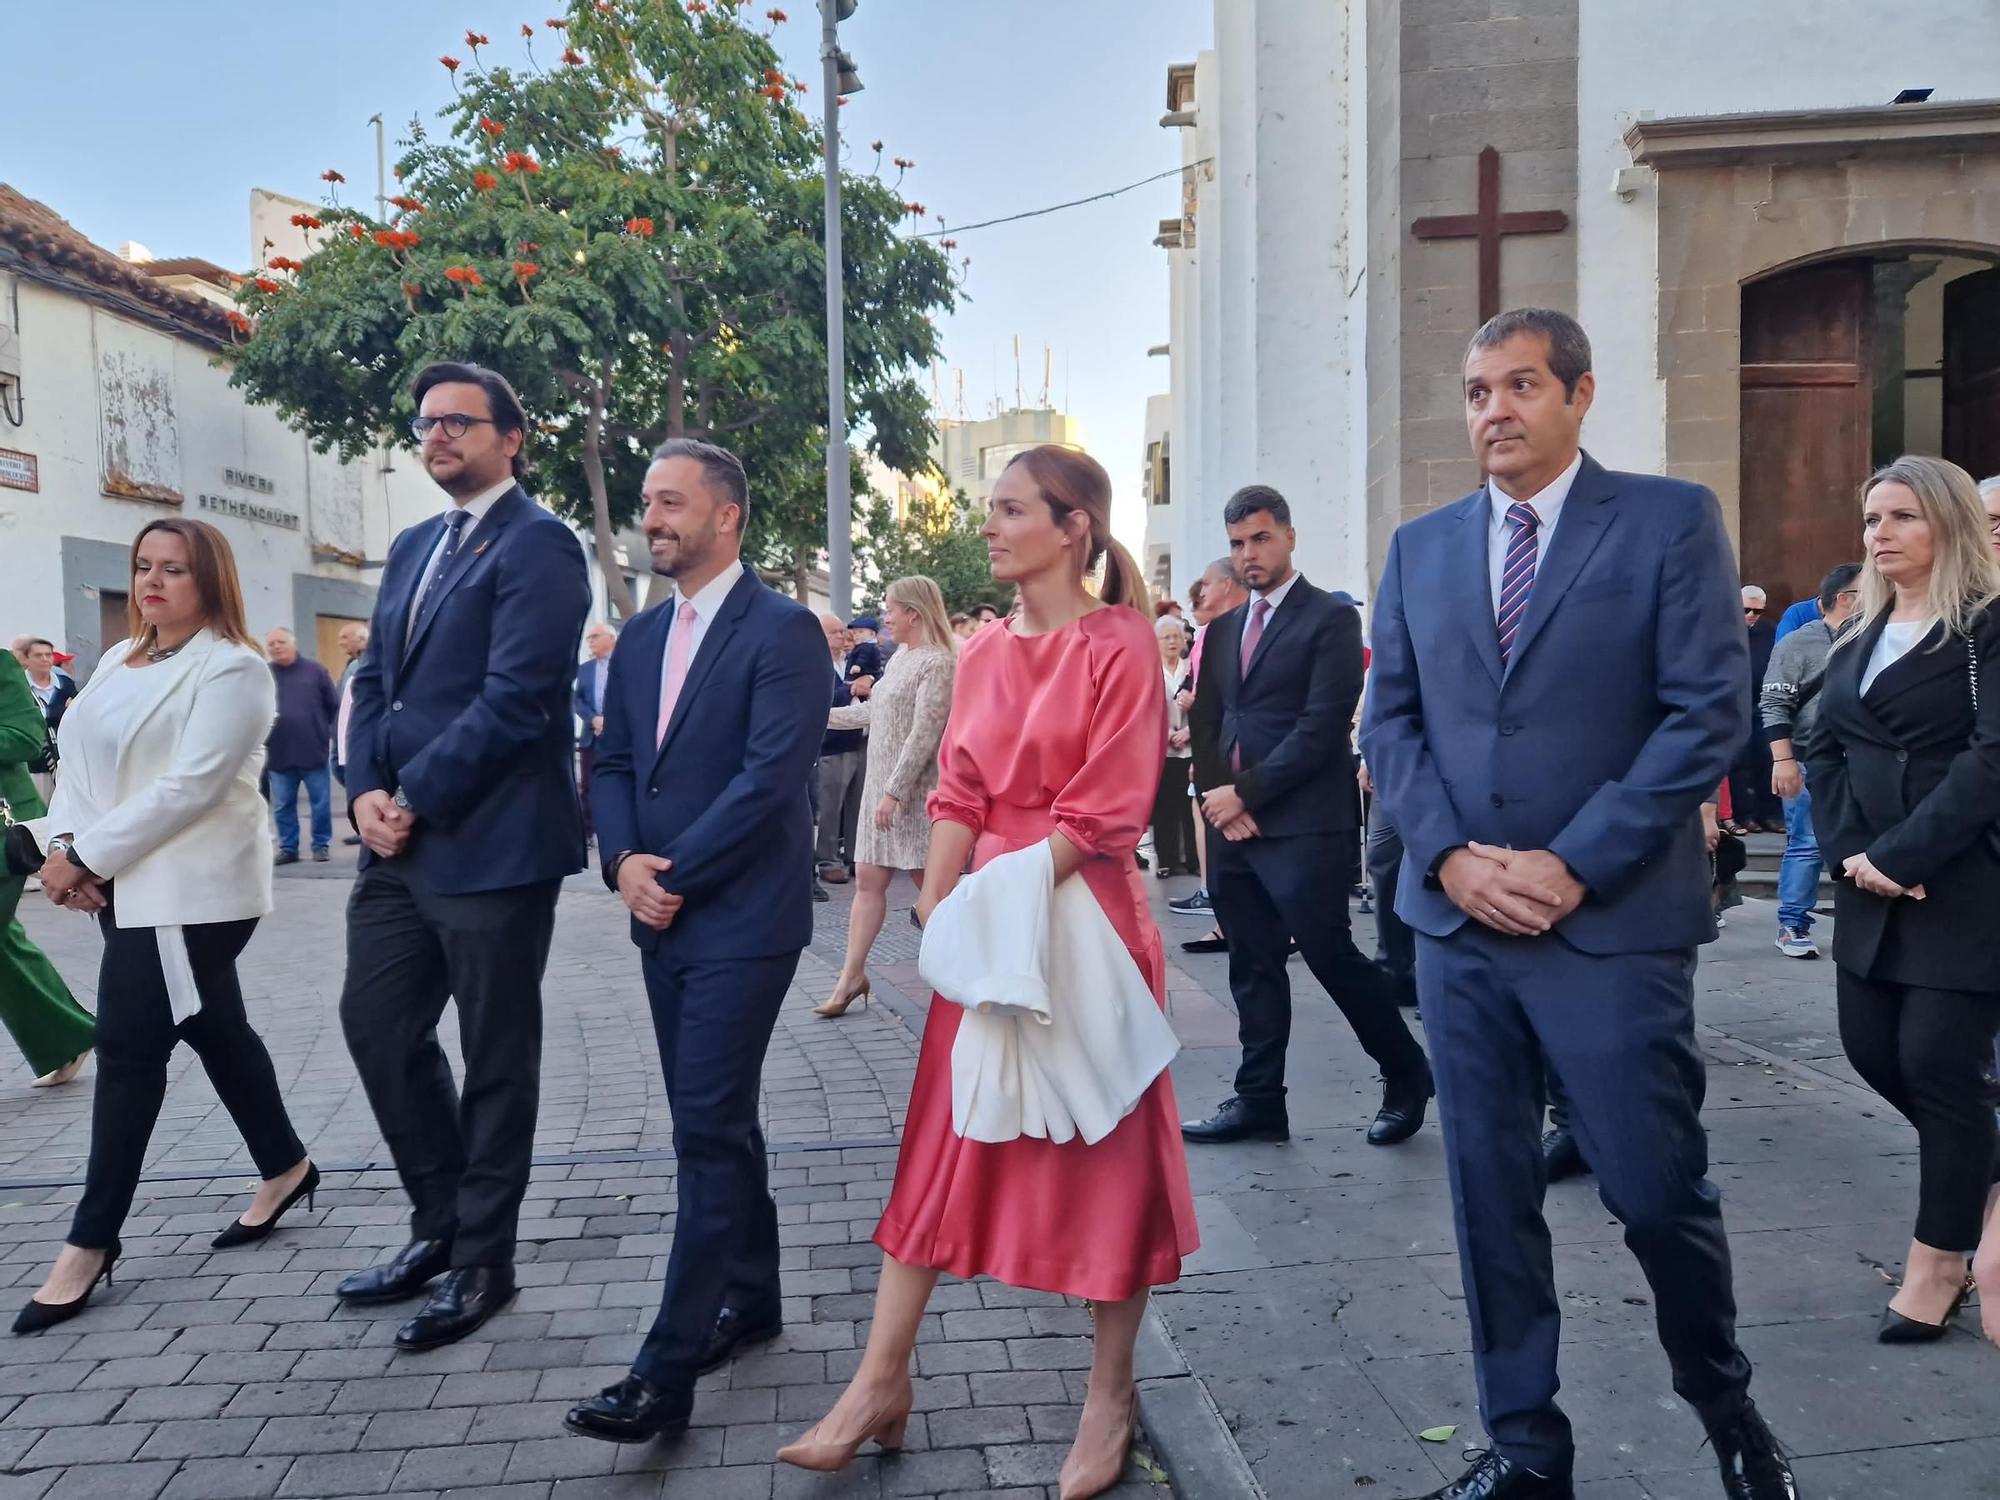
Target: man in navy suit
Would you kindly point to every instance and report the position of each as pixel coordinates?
(588, 704)
(717, 703)
(1273, 721)
(461, 785)
(1558, 682)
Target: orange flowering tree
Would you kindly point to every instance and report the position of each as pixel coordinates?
(625, 218)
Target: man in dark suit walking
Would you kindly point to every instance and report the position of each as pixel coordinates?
(461, 786)
(588, 704)
(715, 711)
(1559, 681)
(1273, 724)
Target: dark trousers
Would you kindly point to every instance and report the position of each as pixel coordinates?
(1926, 1052)
(714, 1022)
(136, 1035)
(1268, 891)
(1751, 799)
(463, 1157)
(586, 759)
(839, 815)
(1173, 818)
(1494, 1009)
(1395, 943)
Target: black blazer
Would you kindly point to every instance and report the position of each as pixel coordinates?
(1292, 716)
(1909, 774)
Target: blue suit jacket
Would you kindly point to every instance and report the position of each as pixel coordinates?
(583, 702)
(1624, 700)
(470, 715)
(725, 796)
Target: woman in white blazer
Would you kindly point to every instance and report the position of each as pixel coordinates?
(157, 827)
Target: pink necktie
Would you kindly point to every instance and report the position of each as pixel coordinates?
(680, 646)
(1252, 634)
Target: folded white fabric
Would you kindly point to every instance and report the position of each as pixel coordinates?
(1061, 1034)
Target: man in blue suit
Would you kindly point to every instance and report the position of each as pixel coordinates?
(717, 703)
(1558, 683)
(461, 786)
(592, 678)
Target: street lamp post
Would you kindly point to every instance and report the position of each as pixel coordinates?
(837, 78)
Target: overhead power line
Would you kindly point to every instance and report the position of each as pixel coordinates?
(1056, 208)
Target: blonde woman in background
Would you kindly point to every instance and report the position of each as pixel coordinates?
(904, 717)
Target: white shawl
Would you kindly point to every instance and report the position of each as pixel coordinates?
(1061, 1034)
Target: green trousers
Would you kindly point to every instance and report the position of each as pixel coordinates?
(35, 1005)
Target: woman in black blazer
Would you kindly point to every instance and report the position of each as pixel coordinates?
(1904, 768)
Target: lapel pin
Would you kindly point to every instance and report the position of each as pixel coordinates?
(482, 547)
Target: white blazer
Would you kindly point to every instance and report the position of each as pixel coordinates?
(1061, 1034)
(184, 831)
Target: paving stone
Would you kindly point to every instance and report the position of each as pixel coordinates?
(131, 1481)
(227, 1479)
(316, 1434)
(213, 1437)
(453, 1468)
(109, 1444)
(322, 1474)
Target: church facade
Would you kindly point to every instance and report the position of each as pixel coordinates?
(1779, 223)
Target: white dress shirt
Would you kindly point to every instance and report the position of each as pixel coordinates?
(476, 507)
(1547, 505)
(707, 604)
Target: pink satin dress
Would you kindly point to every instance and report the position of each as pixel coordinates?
(1062, 731)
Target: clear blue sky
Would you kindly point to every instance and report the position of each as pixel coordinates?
(153, 122)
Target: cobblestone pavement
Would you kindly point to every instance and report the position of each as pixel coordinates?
(208, 1376)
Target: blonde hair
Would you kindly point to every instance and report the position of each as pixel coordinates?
(1071, 480)
(919, 594)
(1965, 576)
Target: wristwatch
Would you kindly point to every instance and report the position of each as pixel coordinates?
(401, 801)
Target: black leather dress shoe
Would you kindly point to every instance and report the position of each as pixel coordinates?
(1238, 1120)
(735, 1330)
(1498, 1478)
(1402, 1112)
(415, 1265)
(1562, 1158)
(1753, 1464)
(466, 1298)
(632, 1411)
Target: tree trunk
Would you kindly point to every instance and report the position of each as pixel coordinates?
(801, 575)
(600, 498)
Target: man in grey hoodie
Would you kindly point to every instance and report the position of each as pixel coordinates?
(1787, 708)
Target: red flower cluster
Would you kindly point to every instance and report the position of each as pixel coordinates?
(477, 39)
(450, 64)
(614, 153)
(554, 25)
(641, 227)
(410, 289)
(408, 205)
(799, 84)
(573, 57)
(776, 15)
(772, 75)
(904, 162)
(285, 263)
(915, 210)
(329, 175)
(528, 31)
(949, 244)
(356, 232)
(485, 182)
(306, 221)
(237, 321)
(519, 161)
(876, 147)
(265, 284)
(523, 269)
(697, 7)
(464, 276)
(397, 239)
(604, 7)
(491, 126)
(773, 91)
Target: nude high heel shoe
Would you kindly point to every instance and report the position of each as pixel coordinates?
(65, 1074)
(813, 1452)
(1088, 1474)
(836, 1004)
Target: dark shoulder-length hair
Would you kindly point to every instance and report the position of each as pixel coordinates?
(215, 580)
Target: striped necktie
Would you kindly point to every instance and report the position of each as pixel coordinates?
(1517, 574)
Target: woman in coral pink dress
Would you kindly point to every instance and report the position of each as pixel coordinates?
(1057, 733)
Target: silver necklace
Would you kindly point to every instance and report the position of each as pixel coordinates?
(161, 653)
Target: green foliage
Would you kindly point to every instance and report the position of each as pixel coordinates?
(940, 539)
(633, 235)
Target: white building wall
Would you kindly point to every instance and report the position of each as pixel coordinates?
(1724, 57)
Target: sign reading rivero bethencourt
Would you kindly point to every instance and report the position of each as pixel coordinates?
(249, 510)
(19, 471)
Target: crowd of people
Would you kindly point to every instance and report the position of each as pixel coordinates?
(738, 755)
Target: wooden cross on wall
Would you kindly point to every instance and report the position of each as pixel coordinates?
(1487, 226)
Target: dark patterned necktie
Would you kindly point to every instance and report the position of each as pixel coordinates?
(455, 521)
(1517, 574)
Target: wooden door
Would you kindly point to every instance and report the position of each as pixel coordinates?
(1805, 424)
(113, 620)
(1972, 372)
(326, 641)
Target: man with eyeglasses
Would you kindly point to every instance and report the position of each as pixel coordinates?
(463, 789)
(1786, 709)
(1753, 807)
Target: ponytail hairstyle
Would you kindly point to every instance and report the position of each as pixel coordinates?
(1074, 481)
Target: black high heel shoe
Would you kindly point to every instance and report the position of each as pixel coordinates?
(1897, 1329)
(240, 1233)
(37, 1316)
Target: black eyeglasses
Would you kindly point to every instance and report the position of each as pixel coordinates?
(455, 424)
(1993, 524)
